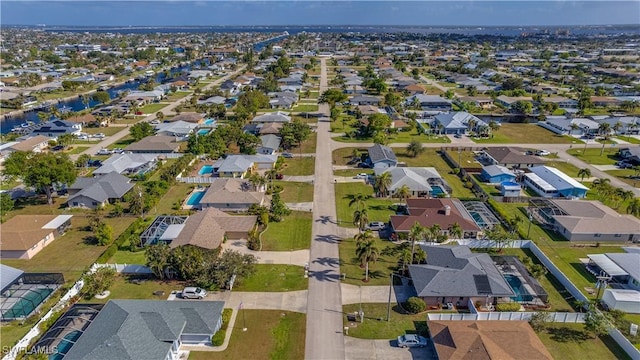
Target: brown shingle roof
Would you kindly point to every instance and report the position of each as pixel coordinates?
(232, 191)
(189, 117)
(481, 340)
(206, 229)
(30, 143)
(512, 155)
(159, 143)
(428, 212)
(21, 232)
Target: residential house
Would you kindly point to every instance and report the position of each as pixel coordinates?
(283, 100)
(442, 211)
(570, 126)
(147, 329)
(486, 340)
(141, 98)
(274, 117)
(581, 220)
(510, 157)
(55, 128)
(456, 122)
(234, 166)
(354, 90)
(497, 174)
(623, 275)
(23, 236)
(190, 117)
(127, 164)
(154, 145)
(508, 101)
(93, 192)
(208, 228)
(631, 154)
(421, 181)
(430, 102)
(605, 101)
(561, 101)
(232, 195)
(180, 130)
(414, 89)
(550, 182)
(381, 157)
(478, 101)
(364, 100)
(455, 275)
(270, 144)
(214, 100)
(35, 144)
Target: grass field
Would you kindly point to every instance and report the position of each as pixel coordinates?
(627, 175)
(292, 233)
(353, 172)
(400, 137)
(565, 167)
(378, 271)
(309, 146)
(593, 156)
(271, 334)
(570, 341)
(379, 209)
(108, 131)
(305, 108)
(128, 257)
(152, 108)
(124, 288)
(76, 149)
(526, 134)
(629, 139)
(343, 155)
(294, 192)
(274, 277)
(122, 143)
(374, 328)
(299, 166)
(176, 194)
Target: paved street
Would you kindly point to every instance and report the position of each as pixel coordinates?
(324, 338)
(362, 349)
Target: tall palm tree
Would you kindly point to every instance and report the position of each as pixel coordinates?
(361, 219)
(585, 172)
(363, 237)
(416, 232)
(604, 129)
(573, 126)
(455, 230)
(383, 182)
(358, 200)
(403, 193)
(634, 207)
(433, 231)
(367, 252)
(616, 127)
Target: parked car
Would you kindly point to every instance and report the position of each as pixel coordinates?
(376, 225)
(543, 153)
(458, 136)
(99, 135)
(57, 148)
(118, 151)
(104, 152)
(287, 155)
(411, 340)
(154, 122)
(193, 293)
(624, 165)
(362, 176)
(279, 176)
(364, 165)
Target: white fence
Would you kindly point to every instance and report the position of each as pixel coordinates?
(560, 317)
(196, 180)
(125, 268)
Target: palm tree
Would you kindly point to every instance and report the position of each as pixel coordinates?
(415, 148)
(433, 231)
(573, 126)
(363, 237)
(585, 172)
(360, 219)
(367, 252)
(416, 232)
(383, 182)
(358, 200)
(634, 207)
(403, 193)
(455, 230)
(617, 126)
(605, 129)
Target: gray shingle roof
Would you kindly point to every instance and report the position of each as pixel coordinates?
(379, 153)
(122, 162)
(144, 329)
(8, 275)
(416, 178)
(495, 170)
(270, 141)
(109, 186)
(456, 271)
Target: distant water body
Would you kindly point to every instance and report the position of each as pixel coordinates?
(461, 30)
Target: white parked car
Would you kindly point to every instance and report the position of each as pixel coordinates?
(99, 135)
(154, 122)
(376, 225)
(194, 293)
(362, 176)
(104, 152)
(543, 153)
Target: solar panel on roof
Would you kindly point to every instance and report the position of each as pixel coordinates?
(482, 284)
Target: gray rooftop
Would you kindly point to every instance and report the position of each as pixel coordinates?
(109, 186)
(416, 178)
(8, 276)
(144, 329)
(122, 162)
(495, 170)
(380, 153)
(629, 262)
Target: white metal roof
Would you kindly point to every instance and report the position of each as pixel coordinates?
(556, 178)
(55, 223)
(540, 181)
(625, 295)
(8, 275)
(172, 232)
(606, 264)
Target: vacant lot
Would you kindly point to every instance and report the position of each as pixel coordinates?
(570, 341)
(378, 272)
(274, 277)
(374, 328)
(292, 233)
(379, 209)
(294, 192)
(526, 134)
(152, 108)
(124, 288)
(596, 156)
(299, 166)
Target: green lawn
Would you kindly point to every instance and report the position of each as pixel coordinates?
(274, 277)
(299, 166)
(270, 334)
(294, 192)
(526, 134)
(343, 155)
(627, 175)
(152, 108)
(128, 257)
(400, 137)
(177, 95)
(176, 195)
(565, 167)
(292, 233)
(108, 131)
(592, 155)
(122, 143)
(466, 159)
(379, 209)
(309, 146)
(352, 172)
(76, 149)
(376, 326)
(570, 341)
(305, 108)
(378, 272)
(629, 139)
(124, 288)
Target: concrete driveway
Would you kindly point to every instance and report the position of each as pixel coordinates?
(352, 294)
(287, 300)
(363, 349)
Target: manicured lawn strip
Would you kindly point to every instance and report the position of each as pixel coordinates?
(292, 233)
(305, 107)
(176, 194)
(565, 167)
(308, 147)
(177, 95)
(128, 257)
(274, 277)
(108, 131)
(373, 328)
(526, 134)
(271, 334)
(352, 172)
(378, 209)
(592, 155)
(400, 137)
(153, 108)
(294, 192)
(343, 155)
(489, 189)
(299, 166)
(629, 139)
(122, 143)
(124, 288)
(569, 341)
(627, 175)
(378, 271)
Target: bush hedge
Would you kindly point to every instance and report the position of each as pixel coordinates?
(415, 305)
(508, 307)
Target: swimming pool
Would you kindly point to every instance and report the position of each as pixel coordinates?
(203, 132)
(27, 303)
(65, 344)
(436, 190)
(210, 121)
(205, 169)
(194, 198)
(516, 285)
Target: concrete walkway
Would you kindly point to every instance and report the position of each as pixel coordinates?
(352, 294)
(299, 178)
(286, 300)
(301, 206)
(298, 257)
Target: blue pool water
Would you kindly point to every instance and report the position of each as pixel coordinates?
(203, 132)
(516, 285)
(210, 121)
(205, 169)
(437, 190)
(29, 302)
(65, 344)
(194, 199)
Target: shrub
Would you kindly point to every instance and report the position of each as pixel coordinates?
(507, 307)
(415, 305)
(218, 338)
(539, 321)
(226, 317)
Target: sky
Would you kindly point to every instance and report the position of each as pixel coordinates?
(309, 12)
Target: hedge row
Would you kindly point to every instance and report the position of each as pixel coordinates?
(135, 229)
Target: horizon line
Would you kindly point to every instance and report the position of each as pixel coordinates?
(314, 25)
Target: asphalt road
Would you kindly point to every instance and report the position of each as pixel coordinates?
(324, 338)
